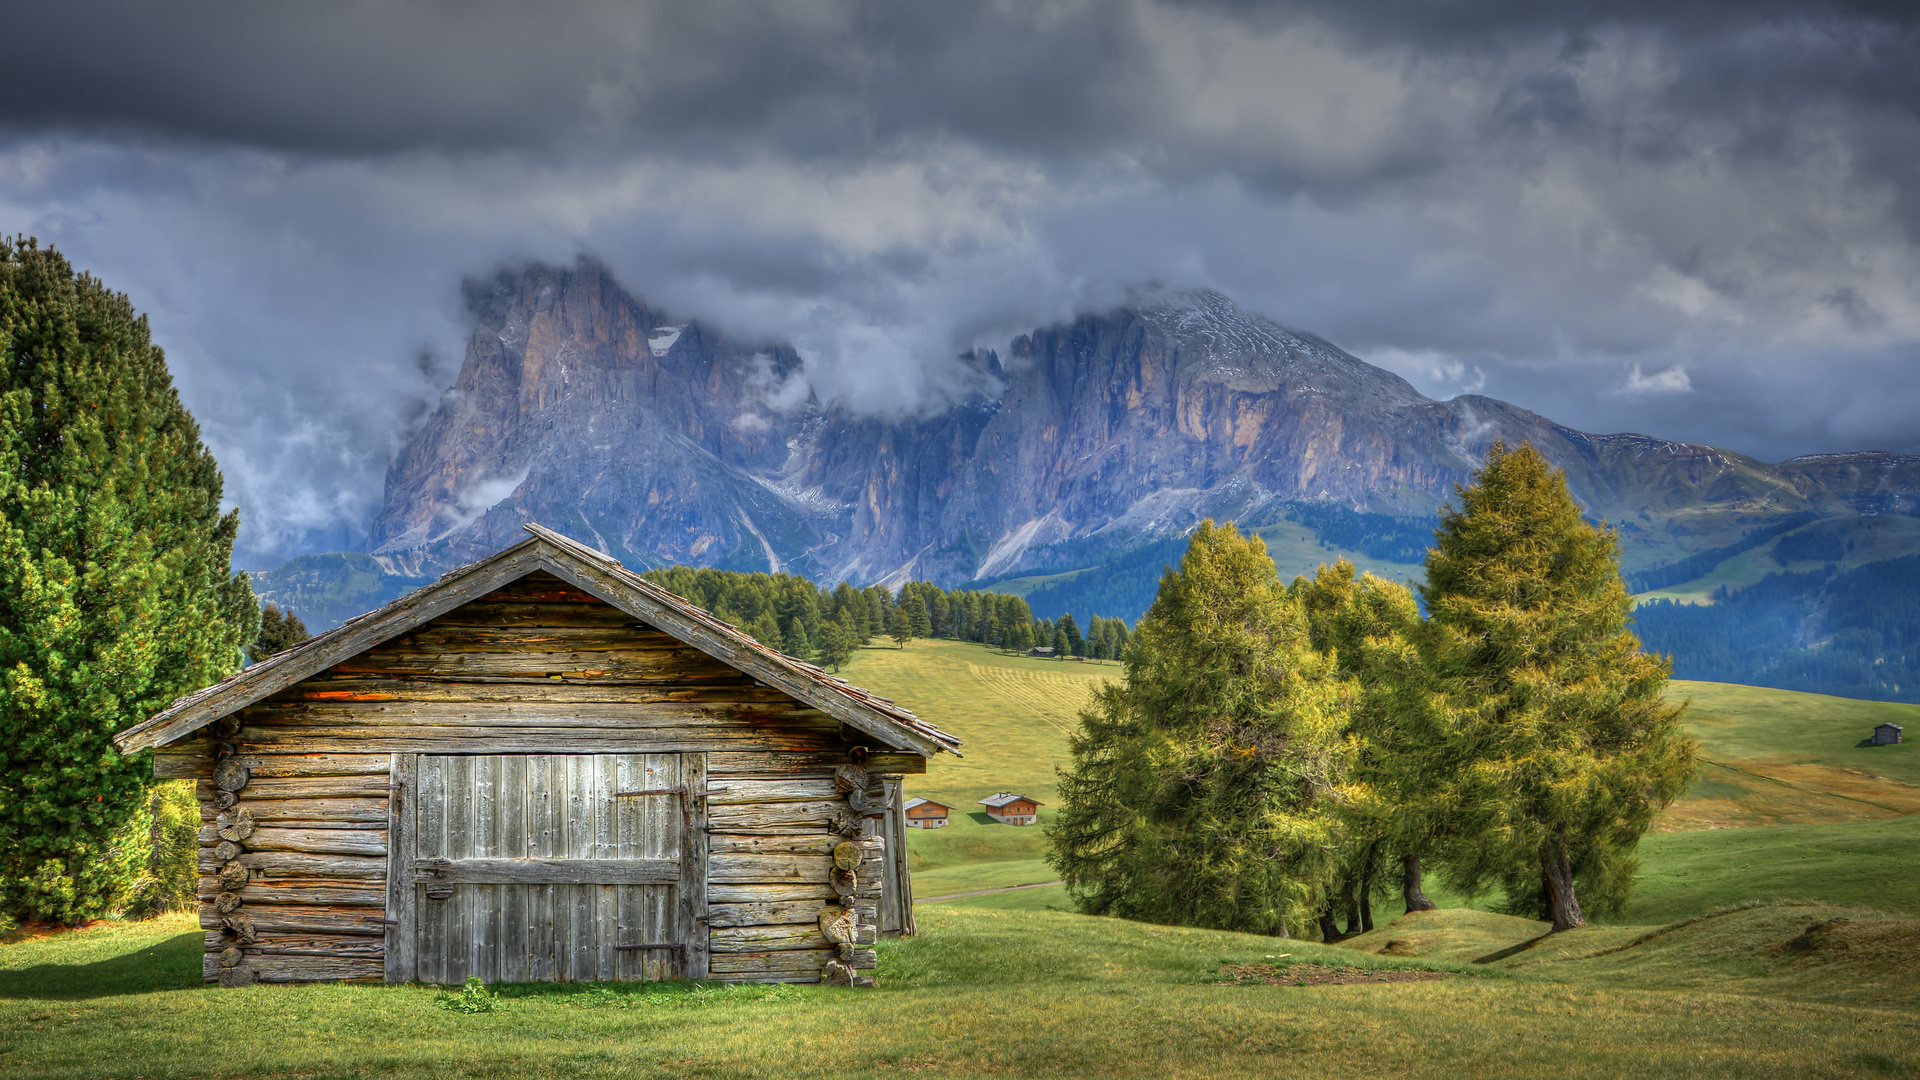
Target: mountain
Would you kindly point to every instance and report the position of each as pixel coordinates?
(662, 441)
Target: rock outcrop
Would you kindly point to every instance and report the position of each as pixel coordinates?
(665, 442)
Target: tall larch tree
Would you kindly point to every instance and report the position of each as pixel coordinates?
(1368, 625)
(1560, 748)
(1201, 789)
(115, 591)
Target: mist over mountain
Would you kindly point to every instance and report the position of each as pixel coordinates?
(661, 441)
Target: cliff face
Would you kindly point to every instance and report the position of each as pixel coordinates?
(664, 442)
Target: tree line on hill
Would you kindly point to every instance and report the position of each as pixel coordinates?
(1280, 752)
(818, 625)
(1855, 633)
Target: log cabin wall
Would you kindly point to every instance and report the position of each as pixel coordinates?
(534, 668)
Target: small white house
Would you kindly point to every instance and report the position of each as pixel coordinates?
(926, 814)
(1010, 809)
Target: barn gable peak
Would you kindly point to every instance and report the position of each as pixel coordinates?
(593, 573)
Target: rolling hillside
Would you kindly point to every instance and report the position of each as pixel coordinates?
(1776, 758)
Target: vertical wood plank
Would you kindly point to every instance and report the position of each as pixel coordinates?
(430, 841)
(896, 900)
(402, 903)
(509, 811)
(460, 812)
(579, 846)
(693, 868)
(540, 965)
(606, 898)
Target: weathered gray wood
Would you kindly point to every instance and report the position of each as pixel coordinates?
(788, 816)
(303, 945)
(721, 893)
(304, 918)
(291, 969)
(696, 872)
(399, 945)
(736, 869)
(320, 841)
(628, 663)
(371, 690)
(750, 966)
(532, 740)
(545, 872)
(817, 843)
(722, 766)
(779, 913)
(766, 938)
(548, 872)
(896, 892)
(320, 893)
(742, 792)
(531, 714)
(310, 787)
(535, 613)
(279, 672)
(298, 762)
(277, 865)
(609, 584)
(276, 811)
(188, 760)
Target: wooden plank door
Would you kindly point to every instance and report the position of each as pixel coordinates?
(536, 868)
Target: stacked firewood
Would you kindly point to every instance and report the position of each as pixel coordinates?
(867, 799)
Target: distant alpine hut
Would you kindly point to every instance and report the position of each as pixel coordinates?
(1010, 809)
(1041, 650)
(1887, 734)
(926, 814)
(543, 768)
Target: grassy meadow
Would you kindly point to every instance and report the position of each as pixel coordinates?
(1775, 932)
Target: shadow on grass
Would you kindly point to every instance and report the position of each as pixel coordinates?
(171, 964)
(1511, 950)
(981, 817)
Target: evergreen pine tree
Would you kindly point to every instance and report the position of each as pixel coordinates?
(115, 591)
(1367, 626)
(836, 643)
(1560, 748)
(1200, 789)
(900, 626)
(1061, 649)
(796, 642)
(918, 621)
(1076, 644)
(766, 630)
(280, 630)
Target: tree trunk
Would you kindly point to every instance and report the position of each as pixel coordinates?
(1562, 904)
(1353, 909)
(1329, 930)
(1410, 885)
(1366, 895)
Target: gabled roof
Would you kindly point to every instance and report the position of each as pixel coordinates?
(995, 802)
(911, 803)
(585, 569)
(1895, 727)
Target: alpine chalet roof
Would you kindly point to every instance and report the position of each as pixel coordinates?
(589, 571)
(997, 801)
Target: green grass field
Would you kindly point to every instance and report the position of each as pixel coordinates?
(1778, 991)
(1788, 948)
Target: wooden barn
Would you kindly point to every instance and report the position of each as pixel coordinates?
(1887, 734)
(1010, 809)
(543, 768)
(927, 814)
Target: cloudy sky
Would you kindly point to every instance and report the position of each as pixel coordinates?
(1691, 218)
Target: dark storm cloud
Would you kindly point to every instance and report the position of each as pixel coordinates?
(1689, 218)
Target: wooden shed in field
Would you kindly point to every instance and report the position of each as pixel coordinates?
(927, 814)
(1887, 734)
(543, 767)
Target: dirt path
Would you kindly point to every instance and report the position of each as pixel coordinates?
(984, 892)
